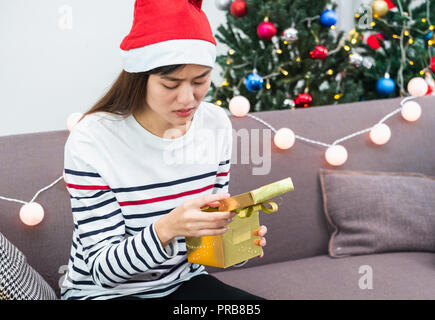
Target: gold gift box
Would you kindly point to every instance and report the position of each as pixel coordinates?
(239, 243)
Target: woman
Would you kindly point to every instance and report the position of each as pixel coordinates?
(136, 173)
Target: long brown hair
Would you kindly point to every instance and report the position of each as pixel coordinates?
(128, 92)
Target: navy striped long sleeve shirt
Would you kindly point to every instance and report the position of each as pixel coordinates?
(121, 179)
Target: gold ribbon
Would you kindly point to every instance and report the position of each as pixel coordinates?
(248, 211)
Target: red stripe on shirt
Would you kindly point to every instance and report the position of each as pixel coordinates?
(164, 198)
(222, 174)
(86, 187)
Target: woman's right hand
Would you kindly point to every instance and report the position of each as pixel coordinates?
(189, 220)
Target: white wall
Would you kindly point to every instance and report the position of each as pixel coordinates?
(48, 70)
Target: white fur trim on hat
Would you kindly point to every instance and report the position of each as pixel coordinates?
(179, 51)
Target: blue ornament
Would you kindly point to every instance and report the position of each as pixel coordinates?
(428, 35)
(385, 86)
(328, 18)
(254, 82)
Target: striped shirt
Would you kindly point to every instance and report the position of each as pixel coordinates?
(121, 179)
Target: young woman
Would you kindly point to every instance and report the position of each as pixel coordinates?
(142, 163)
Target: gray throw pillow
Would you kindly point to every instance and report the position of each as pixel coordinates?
(373, 212)
(18, 280)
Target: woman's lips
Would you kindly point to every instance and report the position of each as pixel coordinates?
(184, 112)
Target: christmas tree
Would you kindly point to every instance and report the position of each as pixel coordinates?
(392, 43)
(282, 54)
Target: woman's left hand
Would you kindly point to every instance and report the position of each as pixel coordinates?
(262, 241)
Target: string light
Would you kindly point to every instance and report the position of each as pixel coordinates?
(267, 84)
(347, 48)
(330, 72)
(411, 41)
(336, 154)
(284, 72)
(219, 102)
(278, 51)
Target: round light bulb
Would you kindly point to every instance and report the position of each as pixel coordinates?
(284, 138)
(239, 106)
(417, 87)
(336, 155)
(380, 134)
(411, 111)
(72, 120)
(31, 213)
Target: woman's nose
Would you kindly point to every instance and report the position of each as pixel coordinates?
(186, 95)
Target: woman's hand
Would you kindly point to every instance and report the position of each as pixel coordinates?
(189, 220)
(262, 241)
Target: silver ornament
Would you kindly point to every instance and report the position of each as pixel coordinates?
(223, 4)
(290, 34)
(289, 103)
(368, 63)
(356, 59)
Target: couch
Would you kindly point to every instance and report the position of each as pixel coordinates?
(296, 264)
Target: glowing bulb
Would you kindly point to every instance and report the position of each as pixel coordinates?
(347, 48)
(417, 87)
(406, 33)
(73, 119)
(31, 213)
(219, 102)
(354, 41)
(411, 111)
(239, 106)
(231, 52)
(380, 134)
(336, 155)
(411, 41)
(284, 138)
(278, 51)
(284, 72)
(330, 72)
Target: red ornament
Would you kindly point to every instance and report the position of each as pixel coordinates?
(303, 100)
(319, 52)
(432, 64)
(239, 8)
(373, 41)
(390, 4)
(266, 30)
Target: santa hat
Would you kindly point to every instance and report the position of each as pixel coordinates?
(167, 32)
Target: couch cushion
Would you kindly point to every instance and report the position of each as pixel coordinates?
(373, 212)
(404, 275)
(18, 280)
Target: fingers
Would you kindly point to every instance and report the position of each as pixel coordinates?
(261, 231)
(260, 242)
(208, 198)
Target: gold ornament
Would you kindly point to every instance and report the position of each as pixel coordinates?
(379, 8)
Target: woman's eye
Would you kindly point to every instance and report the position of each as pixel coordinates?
(195, 83)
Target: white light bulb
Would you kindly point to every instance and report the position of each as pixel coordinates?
(284, 138)
(72, 120)
(336, 155)
(417, 87)
(411, 111)
(239, 106)
(380, 134)
(31, 213)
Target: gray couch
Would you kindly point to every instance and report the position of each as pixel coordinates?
(296, 264)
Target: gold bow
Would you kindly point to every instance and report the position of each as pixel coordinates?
(248, 211)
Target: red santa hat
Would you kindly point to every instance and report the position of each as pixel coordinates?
(167, 32)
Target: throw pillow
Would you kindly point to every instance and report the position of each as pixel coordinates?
(18, 280)
(373, 212)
